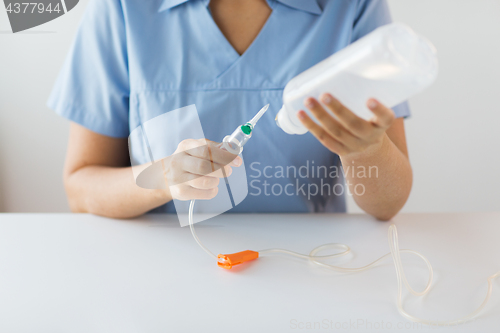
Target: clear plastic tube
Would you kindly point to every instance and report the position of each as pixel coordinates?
(191, 226)
(396, 256)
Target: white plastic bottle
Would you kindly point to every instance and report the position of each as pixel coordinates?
(390, 64)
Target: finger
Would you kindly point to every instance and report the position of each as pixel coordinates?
(237, 161)
(222, 156)
(199, 166)
(208, 150)
(222, 172)
(323, 137)
(204, 183)
(384, 117)
(354, 124)
(196, 181)
(330, 124)
(203, 194)
(185, 192)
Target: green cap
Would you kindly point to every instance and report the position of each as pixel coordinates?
(247, 128)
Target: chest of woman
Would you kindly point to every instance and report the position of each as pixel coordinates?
(180, 57)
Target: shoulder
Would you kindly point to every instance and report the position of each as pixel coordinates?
(124, 7)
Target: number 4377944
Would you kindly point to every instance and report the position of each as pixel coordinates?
(32, 7)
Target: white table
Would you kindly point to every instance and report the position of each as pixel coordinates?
(82, 273)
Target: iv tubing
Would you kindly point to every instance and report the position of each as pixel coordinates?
(396, 256)
(191, 226)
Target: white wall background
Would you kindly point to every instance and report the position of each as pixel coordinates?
(454, 134)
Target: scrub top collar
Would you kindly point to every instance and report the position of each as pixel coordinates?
(310, 6)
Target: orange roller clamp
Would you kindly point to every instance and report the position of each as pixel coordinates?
(231, 260)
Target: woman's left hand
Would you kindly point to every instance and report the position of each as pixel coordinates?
(347, 134)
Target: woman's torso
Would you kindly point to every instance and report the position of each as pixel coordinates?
(178, 57)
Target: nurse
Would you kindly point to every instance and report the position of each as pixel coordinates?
(134, 60)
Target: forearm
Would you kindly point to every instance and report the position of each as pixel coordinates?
(384, 186)
(110, 192)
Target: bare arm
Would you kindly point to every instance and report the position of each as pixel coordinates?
(389, 186)
(99, 180)
(379, 144)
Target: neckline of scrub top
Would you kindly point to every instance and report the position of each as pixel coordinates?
(233, 68)
(310, 6)
(223, 39)
(234, 59)
(305, 5)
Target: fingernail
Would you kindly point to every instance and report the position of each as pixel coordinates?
(372, 104)
(309, 103)
(236, 161)
(301, 114)
(327, 99)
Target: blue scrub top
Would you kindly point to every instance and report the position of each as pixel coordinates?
(133, 60)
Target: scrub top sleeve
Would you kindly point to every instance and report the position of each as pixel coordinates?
(402, 110)
(370, 15)
(93, 88)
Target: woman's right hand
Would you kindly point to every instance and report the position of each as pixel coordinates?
(195, 169)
